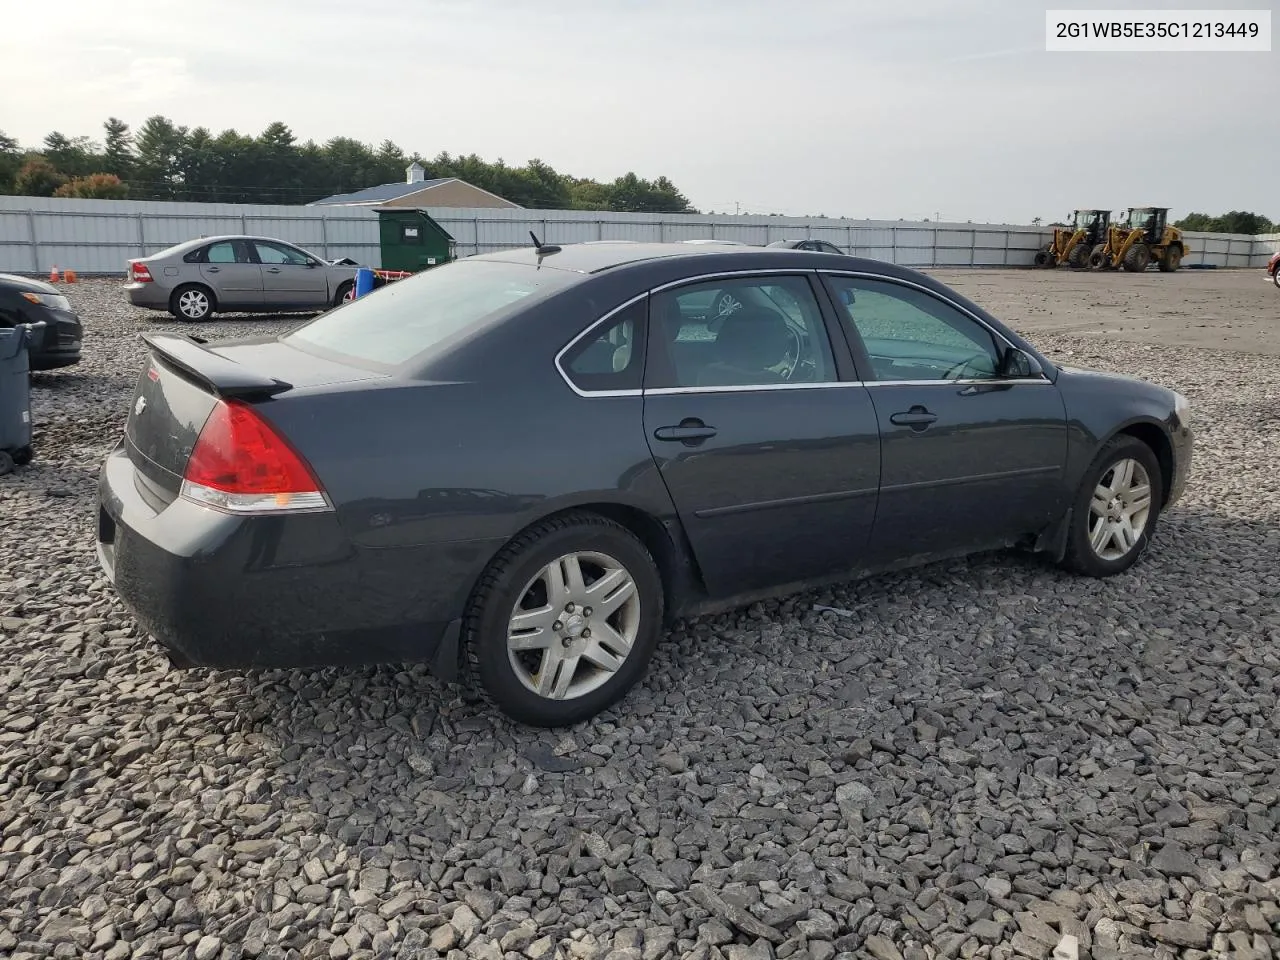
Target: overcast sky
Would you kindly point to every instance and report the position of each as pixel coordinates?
(839, 107)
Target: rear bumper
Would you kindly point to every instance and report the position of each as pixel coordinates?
(149, 296)
(246, 592)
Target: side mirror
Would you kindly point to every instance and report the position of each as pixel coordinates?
(1017, 364)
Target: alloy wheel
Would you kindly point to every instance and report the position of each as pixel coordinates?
(1119, 509)
(574, 625)
(193, 304)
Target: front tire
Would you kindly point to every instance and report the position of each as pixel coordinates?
(1275, 277)
(192, 302)
(1079, 258)
(1116, 509)
(1098, 259)
(1172, 257)
(6, 463)
(346, 291)
(565, 620)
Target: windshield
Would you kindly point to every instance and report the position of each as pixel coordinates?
(1139, 218)
(408, 319)
(1086, 218)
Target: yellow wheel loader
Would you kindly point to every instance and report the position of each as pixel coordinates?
(1073, 244)
(1143, 235)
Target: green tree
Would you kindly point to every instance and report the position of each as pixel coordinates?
(537, 185)
(73, 156)
(277, 165)
(10, 162)
(96, 186)
(161, 147)
(38, 178)
(588, 195)
(631, 193)
(117, 153)
(1237, 221)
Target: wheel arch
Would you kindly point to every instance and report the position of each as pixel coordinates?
(678, 568)
(1154, 436)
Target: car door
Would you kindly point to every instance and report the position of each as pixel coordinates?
(972, 455)
(228, 268)
(767, 444)
(290, 277)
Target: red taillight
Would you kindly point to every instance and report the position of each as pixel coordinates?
(139, 272)
(241, 465)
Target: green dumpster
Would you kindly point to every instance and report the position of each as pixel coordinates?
(410, 240)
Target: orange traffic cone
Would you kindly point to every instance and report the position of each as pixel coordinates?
(69, 276)
(53, 274)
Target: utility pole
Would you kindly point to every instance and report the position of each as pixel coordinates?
(737, 207)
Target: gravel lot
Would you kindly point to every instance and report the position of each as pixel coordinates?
(967, 760)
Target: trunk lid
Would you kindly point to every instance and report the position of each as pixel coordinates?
(184, 379)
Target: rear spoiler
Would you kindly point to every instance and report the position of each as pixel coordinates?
(224, 377)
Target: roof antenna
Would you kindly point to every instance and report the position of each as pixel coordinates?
(543, 248)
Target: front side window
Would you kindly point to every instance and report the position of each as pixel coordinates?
(414, 318)
(611, 357)
(912, 335)
(740, 332)
(277, 254)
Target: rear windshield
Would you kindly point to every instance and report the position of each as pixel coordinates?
(408, 319)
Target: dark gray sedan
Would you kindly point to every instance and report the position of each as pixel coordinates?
(524, 464)
(236, 274)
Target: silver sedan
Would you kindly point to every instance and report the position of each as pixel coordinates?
(233, 274)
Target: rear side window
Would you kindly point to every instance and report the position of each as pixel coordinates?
(227, 251)
(410, 319)
(611, 357)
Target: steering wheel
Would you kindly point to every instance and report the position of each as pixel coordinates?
(959, 368)
(791, 366)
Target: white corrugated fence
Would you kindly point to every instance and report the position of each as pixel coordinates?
(99, 236)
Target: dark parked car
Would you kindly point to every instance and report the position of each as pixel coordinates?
(23, 300)
(633, 453)
(816, 246)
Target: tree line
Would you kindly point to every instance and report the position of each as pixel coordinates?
(165, 161)
(1237, 221)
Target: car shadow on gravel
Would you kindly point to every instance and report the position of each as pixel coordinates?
(1000, 664)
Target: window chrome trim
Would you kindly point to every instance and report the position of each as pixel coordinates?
(993, 381)
(827, 384)
(729, 274)
(751, 388)
(574, 342)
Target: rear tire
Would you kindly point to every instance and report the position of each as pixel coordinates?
(344, 293)
(1275, 277)
(1043, 258)
(1136, 258)
(1172, 257)
(23, 455)
(1098, 257)
(6, 463)
(192, 302)
(1079, 258)
(1105, 499)
(531, 581)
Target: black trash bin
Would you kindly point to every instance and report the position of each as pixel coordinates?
(15, 393)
